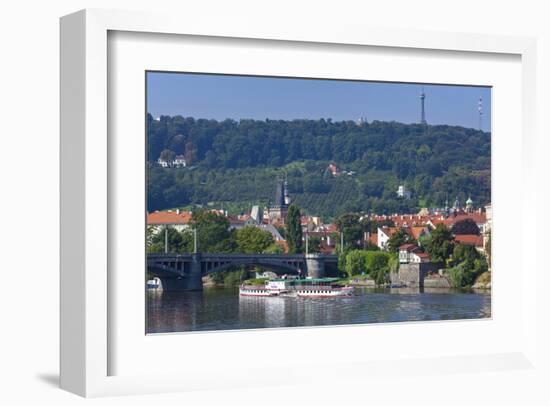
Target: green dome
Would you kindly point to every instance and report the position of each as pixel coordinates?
(469, 201)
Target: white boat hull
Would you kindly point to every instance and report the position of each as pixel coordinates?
(325, 293)
(257, 292)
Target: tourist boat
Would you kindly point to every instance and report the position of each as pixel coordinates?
(273, 287)
(322, 288)
(309, 287)
(251, 290)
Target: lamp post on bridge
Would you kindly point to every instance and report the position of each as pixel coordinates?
(166, 240)
(194, 240)
(307, 243)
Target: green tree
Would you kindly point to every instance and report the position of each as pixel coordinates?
(294, 230)
(469, 263)
(376, 260)
(465, 253)
(369, 246)
(213, 232)
(354, 262)
(399, 238)
(423, 240)
(235, 162)
(314, 244)
(375, 264)
(190, 153)
(176, 241)
(380, 275)
(378, 266)
(149, 236)
(440, 245)
(253, 240)
(456, 276)
(488, 249)
(274, 249)
(350, 225)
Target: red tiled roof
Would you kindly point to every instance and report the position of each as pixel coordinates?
(373, 238)
(478, 218)
(408, 247)
(168, 217)
(416, 232)
(469, 239)
(389, 231)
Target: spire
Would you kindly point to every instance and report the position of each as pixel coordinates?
(279, 193)
(456, 205)
(286, 195)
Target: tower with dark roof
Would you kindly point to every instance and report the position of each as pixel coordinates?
(456, 205)
(279, 208)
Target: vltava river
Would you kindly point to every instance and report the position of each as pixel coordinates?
(224, 309)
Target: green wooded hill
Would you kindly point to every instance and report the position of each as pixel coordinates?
(235, 164)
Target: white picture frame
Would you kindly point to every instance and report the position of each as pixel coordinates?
(85, 216)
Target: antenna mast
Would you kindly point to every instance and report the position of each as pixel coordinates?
(480, 112)
(423, 110)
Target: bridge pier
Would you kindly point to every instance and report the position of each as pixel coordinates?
(190, 281)
(315, 266)
(174, 284)
(194, 278)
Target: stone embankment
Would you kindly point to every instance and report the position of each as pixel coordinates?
(369, 283)
(436, 281)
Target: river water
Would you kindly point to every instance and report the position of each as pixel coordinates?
(224, 309)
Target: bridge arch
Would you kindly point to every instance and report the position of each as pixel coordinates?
(185, 271)
(280, 268)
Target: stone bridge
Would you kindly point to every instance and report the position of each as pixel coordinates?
(185, 271)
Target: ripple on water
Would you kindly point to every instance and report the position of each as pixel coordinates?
(224, 309)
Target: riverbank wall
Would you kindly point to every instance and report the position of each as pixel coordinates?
(414, 274)
(440, 282)
(368, 283)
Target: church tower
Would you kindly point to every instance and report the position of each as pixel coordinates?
(469, 205)
(278, 210)
(456, 205)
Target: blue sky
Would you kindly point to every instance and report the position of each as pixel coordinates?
(238, 97)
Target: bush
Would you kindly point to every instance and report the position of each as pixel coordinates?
(354, 262)
(465, 273)
(456, 276)
(255, 281)
(233, 278)
(376, 264)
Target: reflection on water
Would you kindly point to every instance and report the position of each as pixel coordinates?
(224, 309)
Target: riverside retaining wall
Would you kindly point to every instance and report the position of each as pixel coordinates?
(414, 274)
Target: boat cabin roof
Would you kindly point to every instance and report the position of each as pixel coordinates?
(307, 281)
